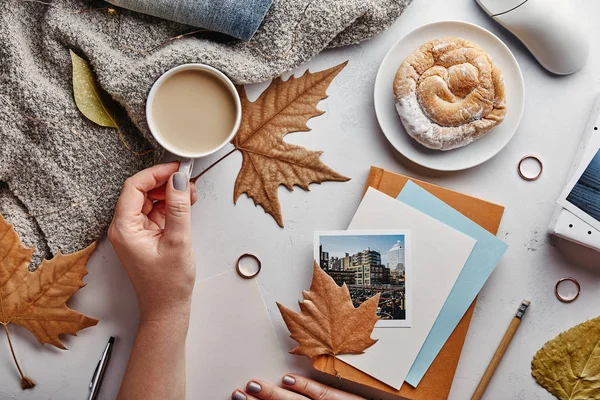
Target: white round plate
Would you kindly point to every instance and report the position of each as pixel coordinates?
(482, 149)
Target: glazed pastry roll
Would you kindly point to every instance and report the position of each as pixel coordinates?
(448, 93)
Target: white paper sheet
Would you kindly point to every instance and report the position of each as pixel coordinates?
(439, 253)
(231, 339)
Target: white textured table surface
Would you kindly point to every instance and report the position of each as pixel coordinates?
(555, 113)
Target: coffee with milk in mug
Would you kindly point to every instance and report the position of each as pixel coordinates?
(193, 111)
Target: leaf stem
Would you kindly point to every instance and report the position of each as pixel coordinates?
(194, 179)
(26, 383)
(122, 137)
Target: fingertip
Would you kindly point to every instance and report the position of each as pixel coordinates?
(254, 386)
(313, 389)
(238, 394)
(288, 380)
(179, 181)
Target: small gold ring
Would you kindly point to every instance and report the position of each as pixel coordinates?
(567, 279)
(239, 271)
(530, 178)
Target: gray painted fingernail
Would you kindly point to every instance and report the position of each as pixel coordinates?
(180, 181)
(238, 395)
(254, 388)
(288, 380)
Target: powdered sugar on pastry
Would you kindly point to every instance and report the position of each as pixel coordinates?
(448, 93)
(420, 127)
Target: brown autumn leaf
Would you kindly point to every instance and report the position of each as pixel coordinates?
(268, 161)
(328, 323)
(37, 300)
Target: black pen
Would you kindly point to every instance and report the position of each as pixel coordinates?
(100, 369)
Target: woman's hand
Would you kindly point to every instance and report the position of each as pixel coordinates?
(159, 262)
(151, 233)
(293, 387)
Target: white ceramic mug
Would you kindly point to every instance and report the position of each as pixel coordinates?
(187, 158)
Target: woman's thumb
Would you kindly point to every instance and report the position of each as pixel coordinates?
(178, 208)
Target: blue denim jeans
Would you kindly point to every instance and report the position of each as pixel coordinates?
(237, 18)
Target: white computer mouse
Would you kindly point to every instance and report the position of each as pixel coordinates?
(549, 28)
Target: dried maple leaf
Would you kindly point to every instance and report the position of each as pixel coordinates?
(568, 366)
(328, 323)
(37, 300)
(268, 161)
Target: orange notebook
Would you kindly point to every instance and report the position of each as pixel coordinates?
(437, 381)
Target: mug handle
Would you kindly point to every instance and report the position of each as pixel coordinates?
(186, 165)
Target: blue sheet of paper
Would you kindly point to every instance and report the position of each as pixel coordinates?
(484, 258)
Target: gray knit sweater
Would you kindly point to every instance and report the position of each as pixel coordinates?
(60, 174)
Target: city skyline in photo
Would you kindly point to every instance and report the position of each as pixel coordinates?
(338, 246)
(376, 264)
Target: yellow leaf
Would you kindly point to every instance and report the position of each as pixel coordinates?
(37, 300)
(91, 100)
(568, 366)
(328, 323)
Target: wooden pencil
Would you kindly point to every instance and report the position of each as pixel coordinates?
(510, 332)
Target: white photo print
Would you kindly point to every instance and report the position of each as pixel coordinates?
(371, 263)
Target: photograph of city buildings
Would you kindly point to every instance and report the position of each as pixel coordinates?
(368, 264)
